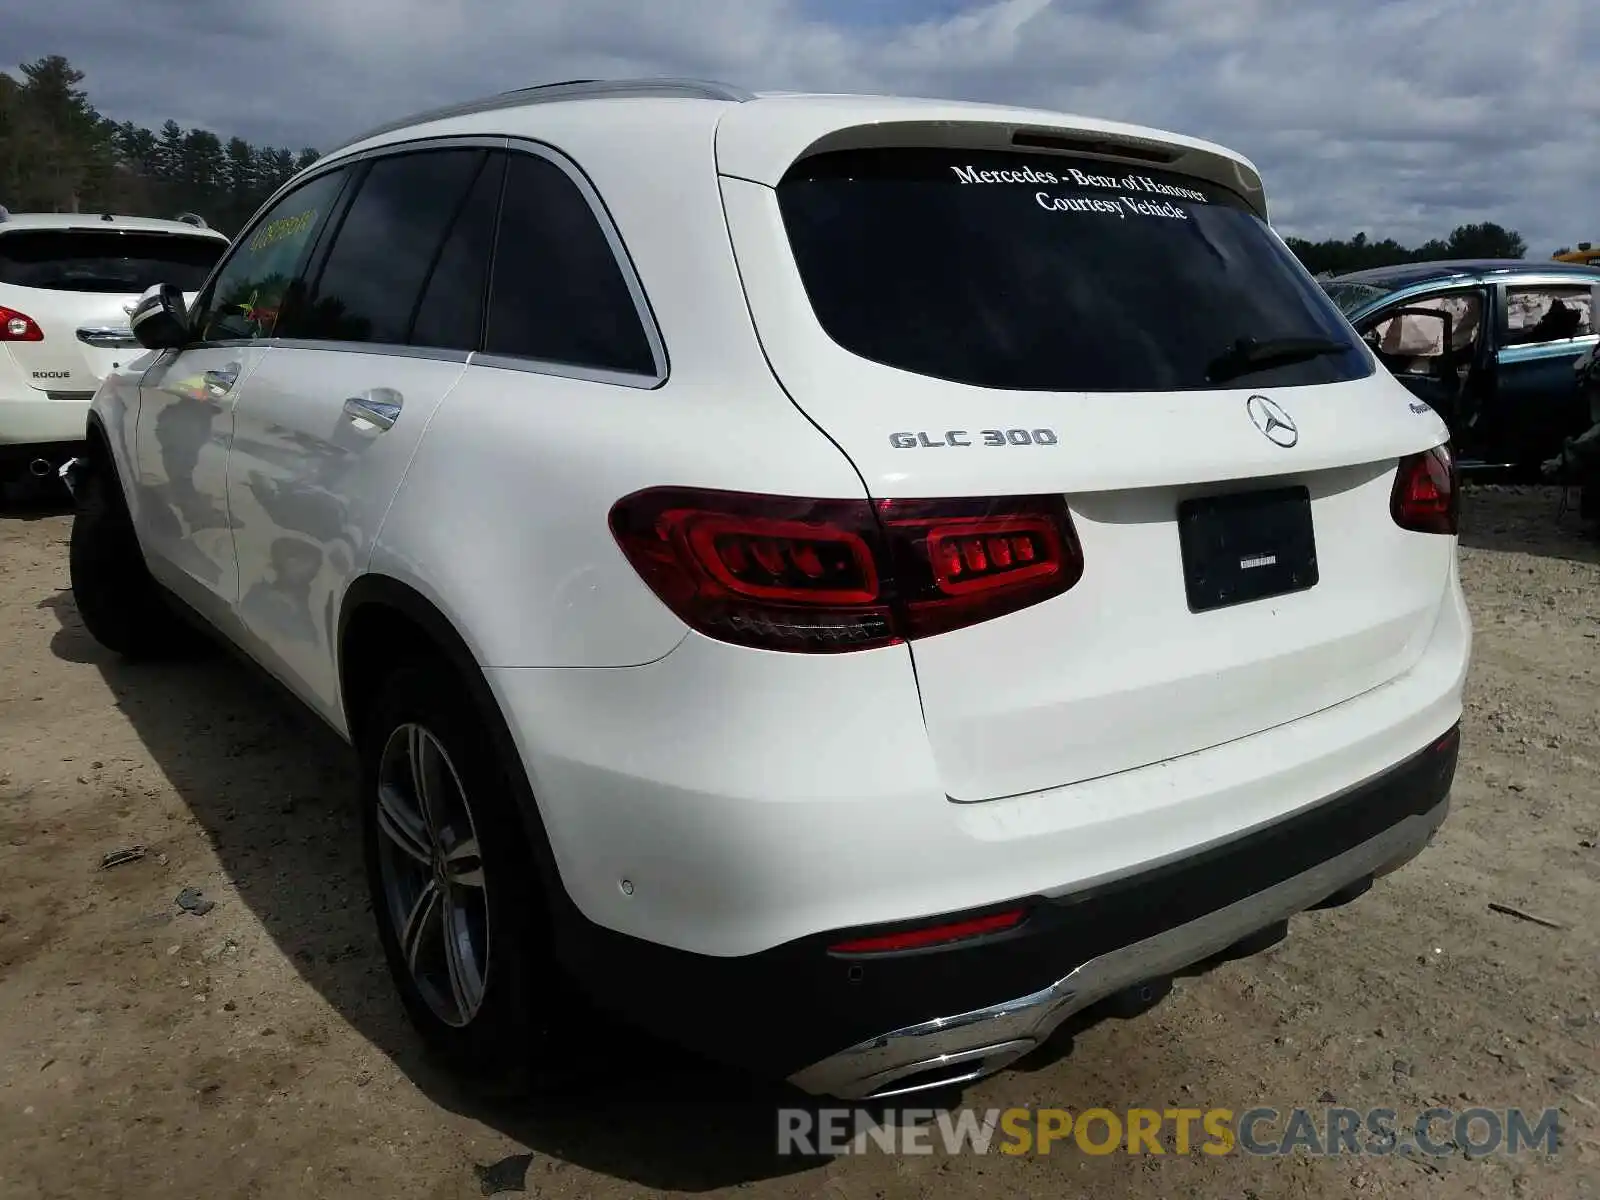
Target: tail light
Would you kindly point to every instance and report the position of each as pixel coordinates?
(18, 327)
(1426, 497)
(818, 576)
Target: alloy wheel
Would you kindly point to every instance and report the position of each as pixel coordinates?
(432, 873)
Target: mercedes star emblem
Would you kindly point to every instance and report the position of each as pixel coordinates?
(1277, 425)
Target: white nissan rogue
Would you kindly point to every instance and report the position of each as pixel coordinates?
(841, 582)
(68, 282)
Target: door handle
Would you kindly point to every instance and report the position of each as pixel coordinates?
(223, 378)
(380, 407)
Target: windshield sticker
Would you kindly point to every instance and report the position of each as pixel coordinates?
(283, 227)
(1132, 193)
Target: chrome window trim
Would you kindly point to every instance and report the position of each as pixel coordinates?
(539, 366)
(386, 349)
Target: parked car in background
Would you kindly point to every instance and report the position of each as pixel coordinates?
(843, 582)
(68, 283)
(1489, 345)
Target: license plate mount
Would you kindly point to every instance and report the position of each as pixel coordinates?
(1246, 546)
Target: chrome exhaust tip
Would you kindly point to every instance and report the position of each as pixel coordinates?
(39, 468)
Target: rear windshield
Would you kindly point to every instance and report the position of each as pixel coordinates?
(1047, 273)
(109, 260)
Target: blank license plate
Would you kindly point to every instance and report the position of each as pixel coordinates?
(1246, 546)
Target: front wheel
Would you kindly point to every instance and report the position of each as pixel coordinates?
(454, 887)
(118, 600)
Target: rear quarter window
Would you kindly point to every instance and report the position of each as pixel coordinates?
(1047, 273)
(108, 260)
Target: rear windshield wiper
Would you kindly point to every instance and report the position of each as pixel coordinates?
(1248, 355)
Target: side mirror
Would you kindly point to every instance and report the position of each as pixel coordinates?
(160, 320)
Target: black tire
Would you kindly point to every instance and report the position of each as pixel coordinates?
(509, 1045)
(120, 604)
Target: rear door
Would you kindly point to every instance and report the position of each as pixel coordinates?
(1543, 329)
(78, 285)
(327, 426)
(994, 324)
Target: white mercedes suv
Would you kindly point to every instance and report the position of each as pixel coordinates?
(68, 282)
(841, 582)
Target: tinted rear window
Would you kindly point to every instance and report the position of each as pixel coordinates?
(1046, 273)
(94, 260)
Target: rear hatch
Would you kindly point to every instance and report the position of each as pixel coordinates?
(77, 287)
(1133, 338)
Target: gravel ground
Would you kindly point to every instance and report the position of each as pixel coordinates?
(255, 1050)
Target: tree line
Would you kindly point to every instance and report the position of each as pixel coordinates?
(1337, 256)
(58, 153)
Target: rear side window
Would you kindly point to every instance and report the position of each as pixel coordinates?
(1047, 273)
(558, 293)
(372, 279)
(1547, 314)
(106, 260)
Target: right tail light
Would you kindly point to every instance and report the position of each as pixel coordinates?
(1426, 496)
(819, 576)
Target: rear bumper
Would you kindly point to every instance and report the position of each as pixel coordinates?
(967, 1045)
(43, 418)
(751, 800)
(858, 1027)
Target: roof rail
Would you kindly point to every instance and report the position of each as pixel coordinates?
(194, 219)
(572, 89)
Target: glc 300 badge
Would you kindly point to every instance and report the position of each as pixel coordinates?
(923, 440)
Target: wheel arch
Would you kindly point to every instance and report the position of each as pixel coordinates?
(96, 441)
(377, 610)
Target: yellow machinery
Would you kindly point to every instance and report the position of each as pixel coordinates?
(1585, 255)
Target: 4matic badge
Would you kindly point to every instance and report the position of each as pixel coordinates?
(923, 440)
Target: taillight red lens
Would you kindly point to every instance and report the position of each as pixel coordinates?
(778, 572)
(18, 327)
(787, 573)
(1426, 498)
(957, 562)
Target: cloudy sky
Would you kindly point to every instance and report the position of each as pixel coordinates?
(1400, 117)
